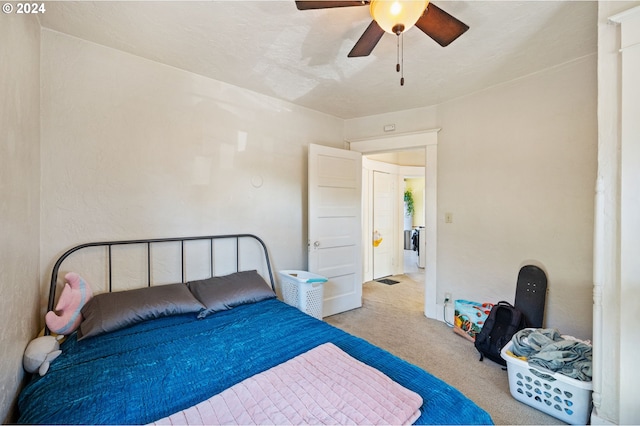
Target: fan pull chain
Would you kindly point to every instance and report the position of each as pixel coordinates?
(400, 58)
(398, 53)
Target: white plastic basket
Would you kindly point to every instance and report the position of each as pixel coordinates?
(303, 290)
(559, 396)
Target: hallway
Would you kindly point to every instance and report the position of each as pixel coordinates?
(411, 268)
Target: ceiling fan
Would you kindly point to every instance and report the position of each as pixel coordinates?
(395, 17)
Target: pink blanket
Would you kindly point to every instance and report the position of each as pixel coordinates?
(322, 386)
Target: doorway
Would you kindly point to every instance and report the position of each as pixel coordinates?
(387, 226)
(427, 142)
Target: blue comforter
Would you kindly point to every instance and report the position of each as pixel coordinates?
(151, 370)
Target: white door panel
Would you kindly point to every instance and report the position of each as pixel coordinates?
(335, 231)
(337, 261)
(335, 248)
(339, 288)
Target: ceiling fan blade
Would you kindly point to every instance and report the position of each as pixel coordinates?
(326, 4)
(368, 40)
(440, 26)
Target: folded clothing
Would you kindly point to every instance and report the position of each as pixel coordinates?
(548, 349)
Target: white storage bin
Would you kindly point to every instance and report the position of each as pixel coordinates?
(303, 290)
(559, 396)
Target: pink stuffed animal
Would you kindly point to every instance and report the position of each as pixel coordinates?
(67, 317)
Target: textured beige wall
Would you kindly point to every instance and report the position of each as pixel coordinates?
(516, 167)
(137, 149)
(19, 197)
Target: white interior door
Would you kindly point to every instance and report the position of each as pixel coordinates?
(384, 204)
(335, 235)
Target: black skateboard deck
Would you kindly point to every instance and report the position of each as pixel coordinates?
(531, 294)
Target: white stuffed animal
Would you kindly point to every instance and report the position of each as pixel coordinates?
(40, 352)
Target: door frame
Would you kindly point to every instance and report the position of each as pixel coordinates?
(428, 140)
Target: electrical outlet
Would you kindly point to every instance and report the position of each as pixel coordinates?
(447, 297)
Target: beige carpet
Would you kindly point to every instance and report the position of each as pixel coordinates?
(392, 317)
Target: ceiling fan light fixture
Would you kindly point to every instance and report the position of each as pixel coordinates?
(396, 16)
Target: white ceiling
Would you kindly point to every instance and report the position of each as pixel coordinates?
(301, 56)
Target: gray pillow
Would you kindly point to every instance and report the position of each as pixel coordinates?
(112, 311)
(228, 291)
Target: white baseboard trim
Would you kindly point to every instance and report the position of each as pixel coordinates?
(597, 420)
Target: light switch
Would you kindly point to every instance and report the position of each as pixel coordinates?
(448, 217)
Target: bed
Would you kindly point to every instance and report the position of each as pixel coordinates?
(151, 369)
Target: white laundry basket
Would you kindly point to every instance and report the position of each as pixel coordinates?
(559, 396)
(303, 290)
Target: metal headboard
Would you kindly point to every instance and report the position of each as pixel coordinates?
(149, 243)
